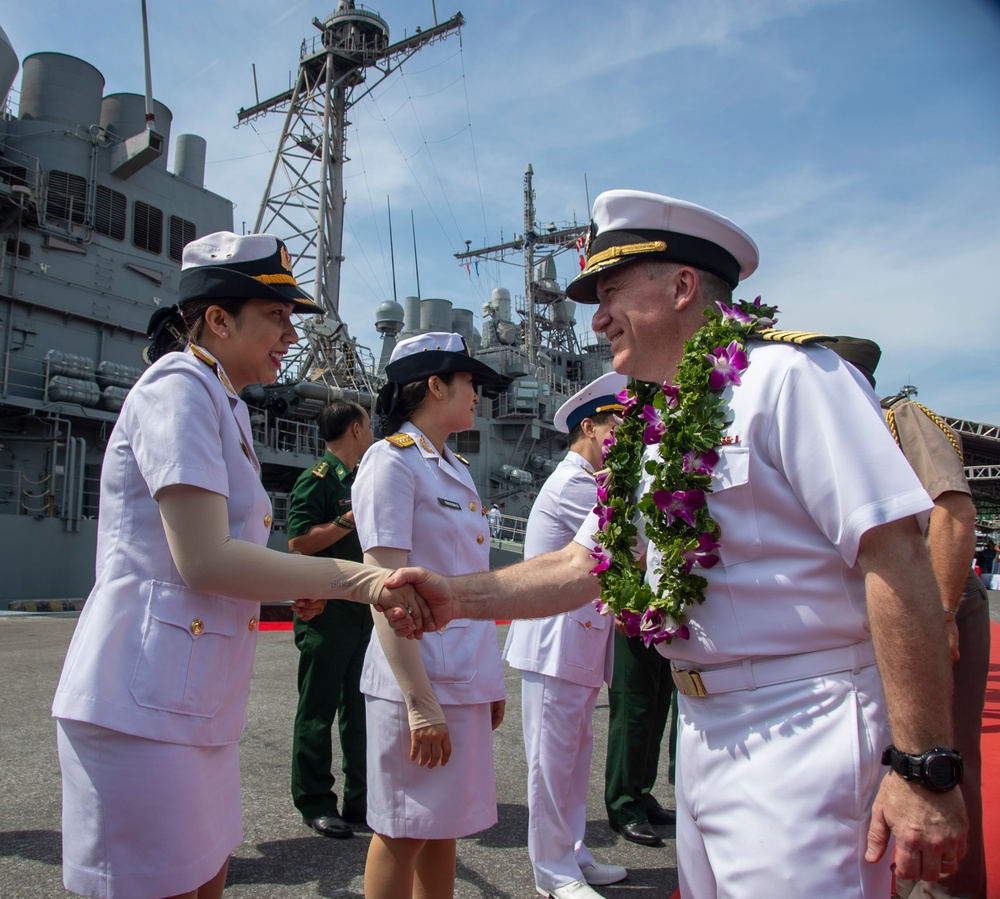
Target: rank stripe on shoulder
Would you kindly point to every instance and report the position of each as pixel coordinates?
(401, 440)
(320, 469)
(800, 338)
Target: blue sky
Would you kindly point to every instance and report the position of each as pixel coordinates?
(857, 141)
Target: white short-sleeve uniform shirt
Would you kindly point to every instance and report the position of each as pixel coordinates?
(807, 467)
(149, 656)
(576, 645)
(412, 498)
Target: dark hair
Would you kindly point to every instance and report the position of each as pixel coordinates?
(335, 418)
(397, 402)
(172, 329)
(598, 418)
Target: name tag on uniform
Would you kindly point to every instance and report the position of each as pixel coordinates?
(449, 504)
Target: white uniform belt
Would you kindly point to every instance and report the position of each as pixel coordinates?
(766, 672)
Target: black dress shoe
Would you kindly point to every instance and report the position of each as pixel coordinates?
(330, 826)
(640, 832)
(661, 816)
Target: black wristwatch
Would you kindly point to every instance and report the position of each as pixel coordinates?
(937, 769)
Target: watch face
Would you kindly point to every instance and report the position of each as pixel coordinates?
(941, 772)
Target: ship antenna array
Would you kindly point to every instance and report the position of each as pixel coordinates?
(303, 202)
(561, 333)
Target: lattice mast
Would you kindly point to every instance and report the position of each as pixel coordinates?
(303, 202)
(546, 321)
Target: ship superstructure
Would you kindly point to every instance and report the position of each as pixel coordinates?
(92, 224)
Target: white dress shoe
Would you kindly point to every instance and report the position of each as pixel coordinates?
(601, 875)
(575, 889)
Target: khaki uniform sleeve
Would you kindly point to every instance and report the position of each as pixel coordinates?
(930, 453)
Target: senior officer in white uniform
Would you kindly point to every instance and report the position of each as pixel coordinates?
(823, 571)
(415, 502)
(563, 661)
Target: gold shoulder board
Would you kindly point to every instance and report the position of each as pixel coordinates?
(321, 468)
(461, 459)
(401, 440)
(801, 338)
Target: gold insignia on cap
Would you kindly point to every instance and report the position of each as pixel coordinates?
(401, 440)
(799, 338)
(276, 279)
(286, 260)
(612, 254)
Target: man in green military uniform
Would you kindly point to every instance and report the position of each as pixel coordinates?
(332, 645)
(639, 704)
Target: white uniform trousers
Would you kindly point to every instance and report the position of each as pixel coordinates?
(557, 718)
(775, 788)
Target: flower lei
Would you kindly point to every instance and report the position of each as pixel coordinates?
(686, 420)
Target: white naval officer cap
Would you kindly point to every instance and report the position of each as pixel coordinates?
(633, 225)
(438, 353)
(225, 265)
(600, 395)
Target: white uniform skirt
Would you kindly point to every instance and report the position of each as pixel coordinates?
(442, 803)
(143, 818)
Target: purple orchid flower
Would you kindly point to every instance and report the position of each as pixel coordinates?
(734, 313)
(764, 321)
(603, 559)
(700, 463)
(655, 427)
(603, 516)
(703, 555)
(679, 504)
(627, 399)
(727, 363)
(672, 393)
(602, 607)
(631, 621)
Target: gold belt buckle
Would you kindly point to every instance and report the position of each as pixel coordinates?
(689, 682)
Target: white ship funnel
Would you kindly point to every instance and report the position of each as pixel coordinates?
(189, 158)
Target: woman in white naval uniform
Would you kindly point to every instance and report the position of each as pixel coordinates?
(430, 772)
(153, 694)
(563, 661)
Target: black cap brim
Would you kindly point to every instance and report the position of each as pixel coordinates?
(210, 282)
(441, 362)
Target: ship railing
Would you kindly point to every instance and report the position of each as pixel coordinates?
(285, 435)
(279, 510)
(509, 529)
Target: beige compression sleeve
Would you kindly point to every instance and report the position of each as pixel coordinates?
(403, 656)
(196, 523)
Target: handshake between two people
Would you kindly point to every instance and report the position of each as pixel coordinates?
(413, 600)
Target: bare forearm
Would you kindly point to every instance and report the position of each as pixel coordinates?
(951, 540)
(911, 646)
(545, 585)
